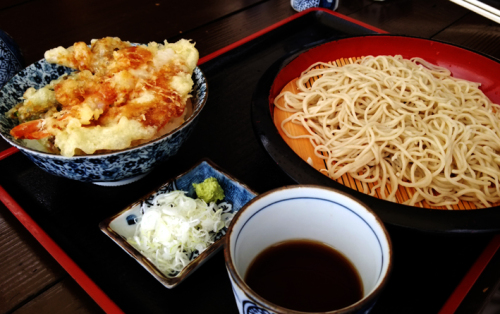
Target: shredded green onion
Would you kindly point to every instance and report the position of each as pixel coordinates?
(177, 228)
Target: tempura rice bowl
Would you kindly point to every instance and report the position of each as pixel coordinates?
(107, 168)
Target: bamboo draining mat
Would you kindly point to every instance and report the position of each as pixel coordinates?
(305, 150)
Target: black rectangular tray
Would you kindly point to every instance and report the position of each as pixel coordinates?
(427, 267)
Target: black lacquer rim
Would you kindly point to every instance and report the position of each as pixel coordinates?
(485, 220)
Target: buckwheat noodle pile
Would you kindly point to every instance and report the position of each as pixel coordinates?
(390, 121)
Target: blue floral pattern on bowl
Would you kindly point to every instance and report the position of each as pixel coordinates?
(301, 5)
(110, 167)
(11, 60)
(122, 225)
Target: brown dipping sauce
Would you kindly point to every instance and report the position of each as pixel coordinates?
(305, 275)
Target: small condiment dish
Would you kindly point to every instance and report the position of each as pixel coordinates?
(123, 225)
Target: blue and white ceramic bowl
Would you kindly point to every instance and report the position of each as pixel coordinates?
(313, 213)
(11, 60)
(114, 168)
(122, 225)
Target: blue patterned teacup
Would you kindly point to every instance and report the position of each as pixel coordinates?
(301, 5)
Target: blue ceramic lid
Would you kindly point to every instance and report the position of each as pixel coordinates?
(11, 60)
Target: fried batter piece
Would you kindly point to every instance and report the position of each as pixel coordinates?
(120, 95)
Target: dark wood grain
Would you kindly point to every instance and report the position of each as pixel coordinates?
(31, 279)
(475, 32)
(350, 7)
(7, 4)
(223, 32)
(26, 267)
(415, 18)
(63, 297)
(66, 22)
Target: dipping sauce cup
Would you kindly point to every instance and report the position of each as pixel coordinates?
(306, 212)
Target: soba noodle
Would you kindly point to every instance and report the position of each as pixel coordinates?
(388, 120)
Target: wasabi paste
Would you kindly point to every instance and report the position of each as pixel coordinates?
(209, 190)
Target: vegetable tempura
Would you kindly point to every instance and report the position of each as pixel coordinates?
(120, 96)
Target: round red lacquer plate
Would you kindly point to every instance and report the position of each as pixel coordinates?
(463, 63)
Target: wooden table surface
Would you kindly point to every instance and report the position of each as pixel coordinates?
(30, 280)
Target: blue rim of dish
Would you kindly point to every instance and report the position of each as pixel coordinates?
(483, 220)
